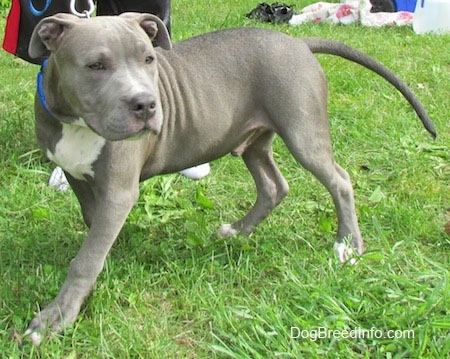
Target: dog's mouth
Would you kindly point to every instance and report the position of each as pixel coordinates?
(120, 128)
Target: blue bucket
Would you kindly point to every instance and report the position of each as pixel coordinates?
(405, 5)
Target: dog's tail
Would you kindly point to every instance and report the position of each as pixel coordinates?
(326, 46)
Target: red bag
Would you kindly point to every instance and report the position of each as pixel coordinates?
(24, 15)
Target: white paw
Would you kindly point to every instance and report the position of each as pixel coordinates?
(35, 337)
(227, 230)
(344, 252)
(58, 315)
(197, 172)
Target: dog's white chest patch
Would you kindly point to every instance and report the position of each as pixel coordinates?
(77, 150)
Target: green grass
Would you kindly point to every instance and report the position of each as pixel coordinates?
(171, 289)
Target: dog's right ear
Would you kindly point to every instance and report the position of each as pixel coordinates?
(49, 32)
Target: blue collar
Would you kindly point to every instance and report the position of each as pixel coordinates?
(40, 90)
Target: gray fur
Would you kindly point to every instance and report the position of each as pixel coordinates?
(225, 92)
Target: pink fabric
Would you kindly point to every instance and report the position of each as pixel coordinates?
(349, 12)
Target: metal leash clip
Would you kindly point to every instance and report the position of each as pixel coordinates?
(86, 13)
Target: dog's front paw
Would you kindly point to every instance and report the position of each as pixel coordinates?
(52, 319)
(227, 230)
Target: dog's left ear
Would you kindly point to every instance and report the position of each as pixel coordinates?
(153, 26)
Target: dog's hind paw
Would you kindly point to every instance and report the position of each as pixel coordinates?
(344, 252)
(227, 230)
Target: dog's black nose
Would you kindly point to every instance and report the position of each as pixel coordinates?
(143, 106)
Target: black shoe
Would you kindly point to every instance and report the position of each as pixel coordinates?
(276, 13)
(282, 13)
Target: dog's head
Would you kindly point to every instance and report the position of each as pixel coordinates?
(103, 70)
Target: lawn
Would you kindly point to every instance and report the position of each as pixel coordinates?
(172, 289)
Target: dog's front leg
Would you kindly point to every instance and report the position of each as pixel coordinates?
(111, 213)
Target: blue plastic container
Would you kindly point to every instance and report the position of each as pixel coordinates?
(405, 5)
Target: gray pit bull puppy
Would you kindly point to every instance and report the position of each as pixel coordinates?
(112, 111)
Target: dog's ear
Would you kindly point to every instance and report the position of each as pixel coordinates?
(48, 33)
(153, 26)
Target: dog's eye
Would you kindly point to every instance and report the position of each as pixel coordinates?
(149, 59)
(96, 66)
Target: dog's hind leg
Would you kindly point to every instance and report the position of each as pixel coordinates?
(270, 184)
(341, 189)
(313, 151)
